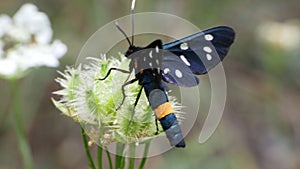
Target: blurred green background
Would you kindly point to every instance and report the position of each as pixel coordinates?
(260, 126)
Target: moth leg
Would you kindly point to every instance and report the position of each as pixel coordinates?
(127, 78)
(123, 91)
(135, 103)
(156, 124)
(113, 68)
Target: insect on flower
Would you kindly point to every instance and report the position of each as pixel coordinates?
(177, 63)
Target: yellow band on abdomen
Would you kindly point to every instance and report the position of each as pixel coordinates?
(163, 110)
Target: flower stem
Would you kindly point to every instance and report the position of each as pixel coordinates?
(109, 159)
(19, 126)
(120, 160)
(100, 157)
(86, 148)
(146, 150)
(132, 158)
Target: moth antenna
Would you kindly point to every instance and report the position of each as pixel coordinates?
(121, 30)
(132, 20)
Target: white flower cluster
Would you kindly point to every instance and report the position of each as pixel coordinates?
(285, 35)
(26, 42)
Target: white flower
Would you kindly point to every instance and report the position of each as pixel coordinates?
(285, 35)
(6, 24)
(34, 22)
(1, 48)
(25, 42)
(7, 67)
(58, 48)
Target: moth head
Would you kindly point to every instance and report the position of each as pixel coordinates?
(132, 49)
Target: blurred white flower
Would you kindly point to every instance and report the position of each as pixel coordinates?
(1, 48)
(25, 42)
(5, 23)
(37, 23)
(285, 35)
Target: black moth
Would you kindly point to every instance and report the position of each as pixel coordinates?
(177, 63)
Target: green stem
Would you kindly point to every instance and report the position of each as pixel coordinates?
(123, 160)
(120, 160)
(19, 126)
(87, 150)
(99, 157)
(132, 158)
(109, 159)
(146, 150)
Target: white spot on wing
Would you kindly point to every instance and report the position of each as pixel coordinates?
(150, 64)
(208, 57)
(184, 46)
(182, 57)
(156, 49)
(157, 61)
(150, 54)
(207, 49)
(178, 73)
(208, 37)
(144, 59)
(166, 70)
